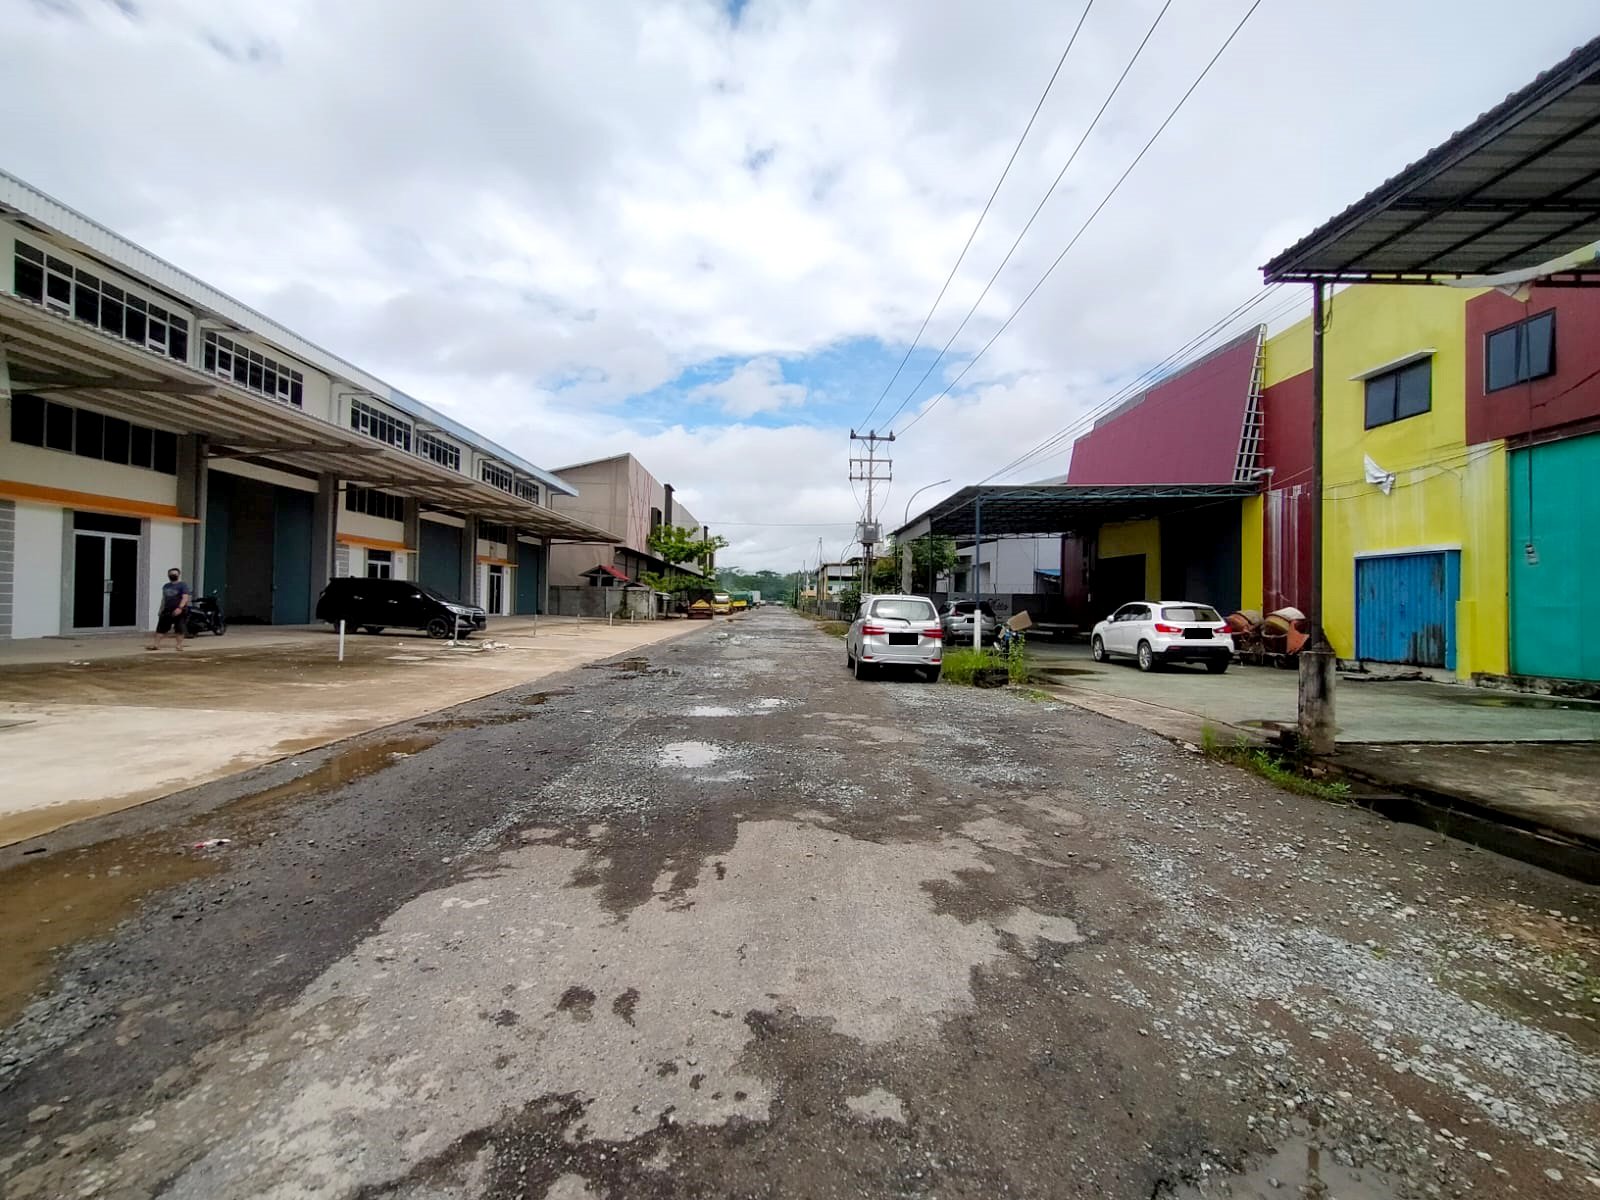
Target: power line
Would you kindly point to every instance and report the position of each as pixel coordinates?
(1190, 352)
(1050, 191)
(1061, 62)
(1121, 179)
(1148, 378)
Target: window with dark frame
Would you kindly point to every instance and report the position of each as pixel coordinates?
(1520, 352)
(375, 423)
(375, 503)
(1404, 392)
(50, 425)
(380, 564)
(72, 291)
(496, 476)
(439, 450)
(252, 370)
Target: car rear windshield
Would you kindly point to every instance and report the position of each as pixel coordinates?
(904, 610)
(1191, 613)
(965, 607)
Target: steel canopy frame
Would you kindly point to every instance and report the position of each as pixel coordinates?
(48, 353)
(1517, 188)
(1045, 509)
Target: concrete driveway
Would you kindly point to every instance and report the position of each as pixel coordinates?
(94, 725)
(1530, 761)
(1265, 698)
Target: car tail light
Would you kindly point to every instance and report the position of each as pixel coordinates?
(935, 632)
(873, 631)
(1162, 628)
(1223, 631)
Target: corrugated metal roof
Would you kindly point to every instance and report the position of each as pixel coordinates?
(1517, 188)
(33, 205)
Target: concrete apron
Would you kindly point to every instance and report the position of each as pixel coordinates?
(94, 726)
(1512, 774)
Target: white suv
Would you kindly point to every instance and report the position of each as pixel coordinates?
(1155, 632)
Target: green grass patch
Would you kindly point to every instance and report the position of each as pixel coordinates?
(834, 628)
(1290, 771)
(963, 662)
(961, 665)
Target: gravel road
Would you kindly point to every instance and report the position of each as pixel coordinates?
(719, 921)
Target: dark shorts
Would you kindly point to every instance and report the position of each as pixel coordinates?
(173, 622)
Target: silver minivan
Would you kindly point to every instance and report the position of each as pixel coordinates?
(901, 631)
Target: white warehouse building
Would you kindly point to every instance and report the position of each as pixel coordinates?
(150, 421)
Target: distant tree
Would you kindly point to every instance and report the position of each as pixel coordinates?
(677, 544)
(939, 553)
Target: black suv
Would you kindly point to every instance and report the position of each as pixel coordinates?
(378, 604)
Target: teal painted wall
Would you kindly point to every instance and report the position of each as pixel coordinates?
(1555, 602)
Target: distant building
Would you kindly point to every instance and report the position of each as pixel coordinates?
(621, 497)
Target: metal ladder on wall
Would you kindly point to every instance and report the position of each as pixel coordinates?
(1247, 468)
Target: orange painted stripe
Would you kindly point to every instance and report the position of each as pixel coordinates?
(90, 502)
(372, 543)
(496, 562)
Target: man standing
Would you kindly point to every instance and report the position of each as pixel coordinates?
(174, 615)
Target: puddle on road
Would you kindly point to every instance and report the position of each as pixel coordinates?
(534, 699)
(450, 724)
(1517, 700)
(49, 903)
(689, 754)
(1298, 1168)
(711, 710)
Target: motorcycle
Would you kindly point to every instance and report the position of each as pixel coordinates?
(206, 616)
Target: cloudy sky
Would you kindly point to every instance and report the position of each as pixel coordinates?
(707, 231)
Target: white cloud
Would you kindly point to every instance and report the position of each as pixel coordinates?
(755, 386)
(529, 214)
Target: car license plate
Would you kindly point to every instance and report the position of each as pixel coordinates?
(902, 639)
(1197, 635)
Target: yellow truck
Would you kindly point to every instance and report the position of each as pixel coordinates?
(721, 603)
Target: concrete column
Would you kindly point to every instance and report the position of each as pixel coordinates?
(905, 569)
(193, 474)
(1318, 666)
(412, 516)
(469, 562)
(324, 528)
(543, 600)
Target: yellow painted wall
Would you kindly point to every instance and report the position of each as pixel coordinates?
(1288, 353)
(1136, 537)
(1446, 494)
(1251, 564)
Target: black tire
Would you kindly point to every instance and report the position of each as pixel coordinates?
(932, 674)
(374, 630)
(849, 660)
(1097, 649)
(1216, 665)
(1147, 658)
(438, 628)
(861, 670)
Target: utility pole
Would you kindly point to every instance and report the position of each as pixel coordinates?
(871, 470)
